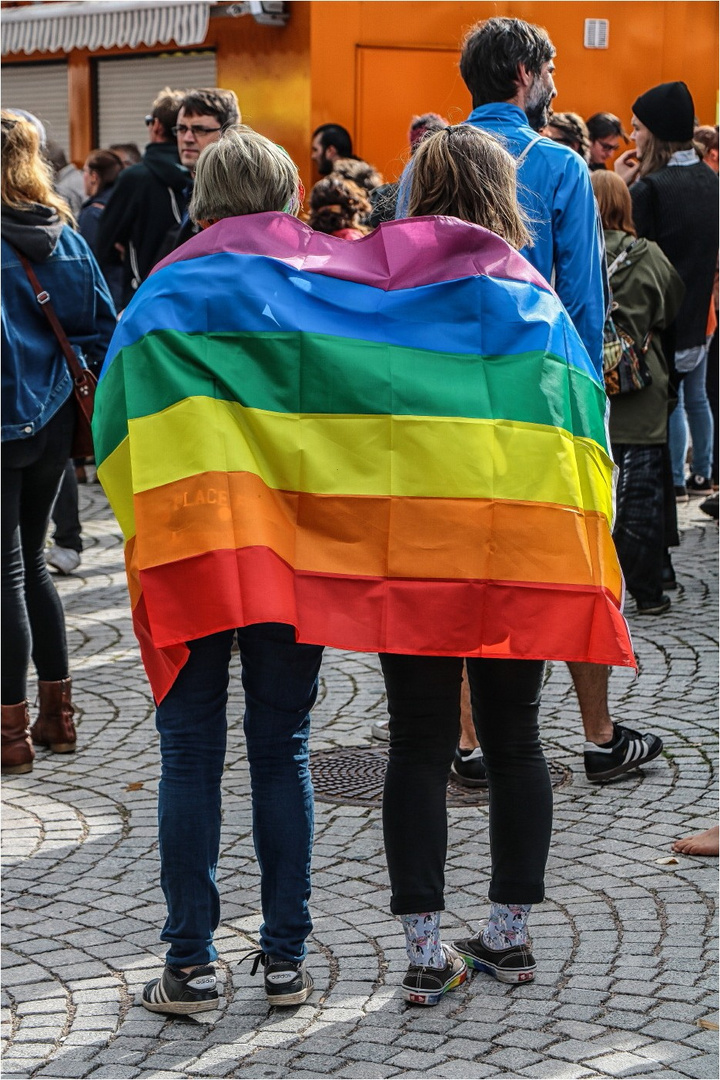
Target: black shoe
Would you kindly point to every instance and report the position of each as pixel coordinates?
(681, 495)
(515, 964)
(669, 581)
(286, 983)
(468, 768)
(628, 750)
(426, 985)
(699, 485)
(710, 506)
(655, 607)
(182, 991)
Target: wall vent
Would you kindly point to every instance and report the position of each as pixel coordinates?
(597, 33)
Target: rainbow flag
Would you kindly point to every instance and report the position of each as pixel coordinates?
(396, 444)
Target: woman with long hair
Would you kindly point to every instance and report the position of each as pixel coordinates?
(675, 203)
(647, 293)
(38, 422)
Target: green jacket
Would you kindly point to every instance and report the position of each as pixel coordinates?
(648, 293)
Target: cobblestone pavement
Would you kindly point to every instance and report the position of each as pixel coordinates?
(625, 942)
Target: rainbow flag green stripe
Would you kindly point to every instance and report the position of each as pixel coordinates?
(269, 371)
(393, 445)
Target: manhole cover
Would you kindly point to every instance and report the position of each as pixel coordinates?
(355, 776)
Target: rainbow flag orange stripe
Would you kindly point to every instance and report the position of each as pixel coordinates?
(397, 444)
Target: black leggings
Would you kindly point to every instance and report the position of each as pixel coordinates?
(424, 706)
(33, 621)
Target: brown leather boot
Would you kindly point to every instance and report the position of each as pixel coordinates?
(17, 749)
(54, 726)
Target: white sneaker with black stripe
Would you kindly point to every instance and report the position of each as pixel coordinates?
(182, 992)
(628, 750)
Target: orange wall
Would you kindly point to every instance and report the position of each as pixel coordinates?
(375, 64)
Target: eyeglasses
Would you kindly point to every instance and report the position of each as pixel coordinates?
(149, 120)
(197, 129)
(610, 147)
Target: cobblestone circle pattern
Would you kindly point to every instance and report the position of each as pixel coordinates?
(626, 941)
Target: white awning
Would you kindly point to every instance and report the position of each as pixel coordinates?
(102, 24)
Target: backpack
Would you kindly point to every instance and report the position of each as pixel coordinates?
(624, 365)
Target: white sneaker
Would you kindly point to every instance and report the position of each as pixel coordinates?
(380, 730)
(63, 559)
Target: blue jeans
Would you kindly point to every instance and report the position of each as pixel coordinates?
(280, 678)
(693, 410)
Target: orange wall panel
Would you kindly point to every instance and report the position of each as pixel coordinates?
(376, 64)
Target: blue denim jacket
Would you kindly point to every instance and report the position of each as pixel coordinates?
(35, 377)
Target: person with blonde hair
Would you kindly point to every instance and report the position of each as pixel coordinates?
(38, 422)
(647, 293)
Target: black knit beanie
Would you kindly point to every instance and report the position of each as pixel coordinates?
(667, 111)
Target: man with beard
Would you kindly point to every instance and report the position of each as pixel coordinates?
(507, 65)
(330, 141)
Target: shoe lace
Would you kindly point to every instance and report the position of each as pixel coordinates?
(258, 957)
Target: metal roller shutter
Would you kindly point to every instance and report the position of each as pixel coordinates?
(41, 89)
(126, 88)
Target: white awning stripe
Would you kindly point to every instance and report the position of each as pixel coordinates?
(101, 25)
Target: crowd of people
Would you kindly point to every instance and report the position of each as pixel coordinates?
(630, 247)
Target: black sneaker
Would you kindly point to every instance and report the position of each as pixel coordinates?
(468, 768)
(182, 991)
(654, 607)
(286, 983)
(628, 750)
(710, 506)
(515, 964)
(426, 985)
(699, 485)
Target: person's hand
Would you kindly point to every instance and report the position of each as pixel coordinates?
(627, 166)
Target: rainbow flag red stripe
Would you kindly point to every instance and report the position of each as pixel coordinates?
(397, 444)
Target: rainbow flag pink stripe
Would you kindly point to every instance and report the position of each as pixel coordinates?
(396, 444)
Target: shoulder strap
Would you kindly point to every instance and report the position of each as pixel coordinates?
(78, 372)
(620, 259)
(526, 150)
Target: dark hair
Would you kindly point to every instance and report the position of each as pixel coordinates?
(491, 53)
(129, 149)
(358, 171)
(602, 124)
(337, 204)
(107, 165)
(337, 136)
(165, 108)
(223, 104)
(572, 131)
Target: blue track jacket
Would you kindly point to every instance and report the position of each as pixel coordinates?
(554, 190)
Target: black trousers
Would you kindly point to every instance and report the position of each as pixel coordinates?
(66, 514)
(424, 706)
(640, 528)
(33, 621)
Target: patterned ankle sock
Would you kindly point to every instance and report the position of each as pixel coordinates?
(422, 939)
(507, 926)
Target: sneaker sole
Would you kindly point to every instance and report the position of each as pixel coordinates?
(431, 997)
(467, 781)
(599, 778)
(180, 1008)
(503, 975)
(291, 999)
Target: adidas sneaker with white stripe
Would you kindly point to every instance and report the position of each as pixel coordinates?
(182, 992)
(628, 750)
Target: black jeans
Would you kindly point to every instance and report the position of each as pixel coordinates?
(639, 532)
(65, 512)
(424, 706)
(33, 621)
